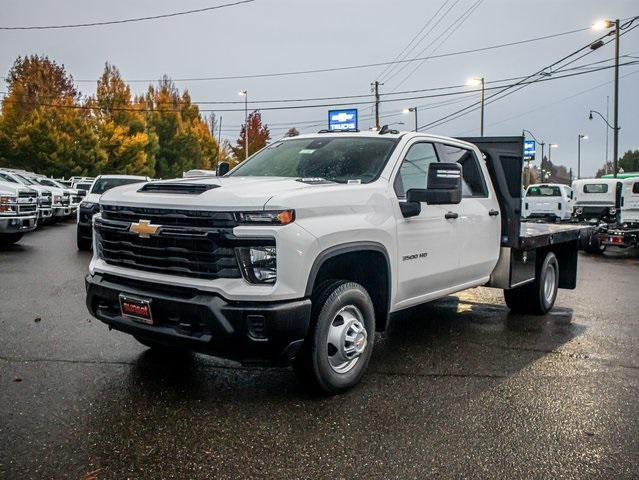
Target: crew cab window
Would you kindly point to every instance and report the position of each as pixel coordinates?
(543, 191)
(414, 170)
(596, 188)
(635, 187)
(473, 184)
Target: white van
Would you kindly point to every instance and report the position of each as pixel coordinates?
(596, 199)
(630, 201)
(548, 200)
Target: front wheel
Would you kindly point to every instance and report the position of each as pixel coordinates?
(539, 296)
(337, 351)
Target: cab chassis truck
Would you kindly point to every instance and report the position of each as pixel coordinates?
(302, 264)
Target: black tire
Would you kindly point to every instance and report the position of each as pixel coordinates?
(83, 243)
(7, 239)
(314, 365)
(593, 245)
(536, 298)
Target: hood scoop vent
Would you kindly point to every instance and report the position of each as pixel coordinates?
(178, 188)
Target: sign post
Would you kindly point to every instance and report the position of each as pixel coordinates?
(339, 120)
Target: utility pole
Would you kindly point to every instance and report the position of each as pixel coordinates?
(244, 93)
(375, 88)
(483, 93)
(607, 132)
(616, 101)
(219, 142)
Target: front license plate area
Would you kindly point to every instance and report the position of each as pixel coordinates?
(136, 309)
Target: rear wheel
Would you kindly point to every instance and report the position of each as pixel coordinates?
(594, 245)
(7, 239)
(339, 346)
(539, 296)
(83, 243)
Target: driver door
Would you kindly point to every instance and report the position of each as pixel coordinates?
(428, 248)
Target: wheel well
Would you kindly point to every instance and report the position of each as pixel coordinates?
(369, 268)
(567, 256)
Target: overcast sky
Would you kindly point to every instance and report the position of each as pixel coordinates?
(286, 35)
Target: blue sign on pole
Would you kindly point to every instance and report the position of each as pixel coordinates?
(529, 150)
(342, 119)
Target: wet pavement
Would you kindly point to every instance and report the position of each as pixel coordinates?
(456, 389)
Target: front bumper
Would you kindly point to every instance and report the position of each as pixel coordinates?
(17, 224)
(61, 211)
(250, 332)
(44, 212)
(620, 238)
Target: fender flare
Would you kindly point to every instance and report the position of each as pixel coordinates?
(349, 248)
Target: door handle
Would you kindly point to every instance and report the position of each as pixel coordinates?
(493, 213)
(451, 216)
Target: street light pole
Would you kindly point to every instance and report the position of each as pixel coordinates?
(475, 81)
(579, 138)
(600, 25)
(413, 110)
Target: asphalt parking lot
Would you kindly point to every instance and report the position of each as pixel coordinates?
(457, 389)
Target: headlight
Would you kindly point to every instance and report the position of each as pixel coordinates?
(56, 198)
(266, 217)
(258, 264)
(87, 205)
(5, 203)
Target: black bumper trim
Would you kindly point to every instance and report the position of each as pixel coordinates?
(250, 332)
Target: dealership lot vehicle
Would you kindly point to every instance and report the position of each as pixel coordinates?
(596, 199)
(89, 205)
(18, 212)
(304, 251)
(71, 195)
(625, 233)
(45, 197)
(551, 201)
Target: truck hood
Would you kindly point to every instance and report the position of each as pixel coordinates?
(91, 197)
(224, 193)
(14, 189)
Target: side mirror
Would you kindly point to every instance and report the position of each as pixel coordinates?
(444, 185)
(223, 168)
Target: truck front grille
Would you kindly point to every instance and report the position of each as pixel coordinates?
(31, 208)
(190, 252)
(173, 217)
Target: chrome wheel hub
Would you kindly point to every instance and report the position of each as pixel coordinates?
(549, 283)
(347, 339)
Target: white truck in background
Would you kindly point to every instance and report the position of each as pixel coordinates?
(89, 205)
(625, 233)
(45, 197)
(301, 253)
(18, 212)
(548, 201)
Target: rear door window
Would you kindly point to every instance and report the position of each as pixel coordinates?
(596, 188)
(635, 187)
(473, 183)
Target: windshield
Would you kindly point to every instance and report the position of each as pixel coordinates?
(25, 180)
(103, 184)
(544, 191)
(336, 159)
(7, 178)
(49, 183)
(83, 186)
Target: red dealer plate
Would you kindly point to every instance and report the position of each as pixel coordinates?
(137, 309)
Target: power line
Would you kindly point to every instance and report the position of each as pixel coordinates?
(349, 67)
(127, 20)
(297, 107)
(392, 66)
(454, 26)
(464, 111)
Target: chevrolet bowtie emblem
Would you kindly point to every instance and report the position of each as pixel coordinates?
(144, 228)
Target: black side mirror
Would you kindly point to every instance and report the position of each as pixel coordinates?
(223, 168)
(444, 185)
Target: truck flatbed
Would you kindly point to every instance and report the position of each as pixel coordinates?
(535, 235)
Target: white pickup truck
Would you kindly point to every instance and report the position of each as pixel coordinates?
(548, 200)
(305, 250)
(18, 212)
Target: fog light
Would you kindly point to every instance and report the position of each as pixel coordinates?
(258, 264)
